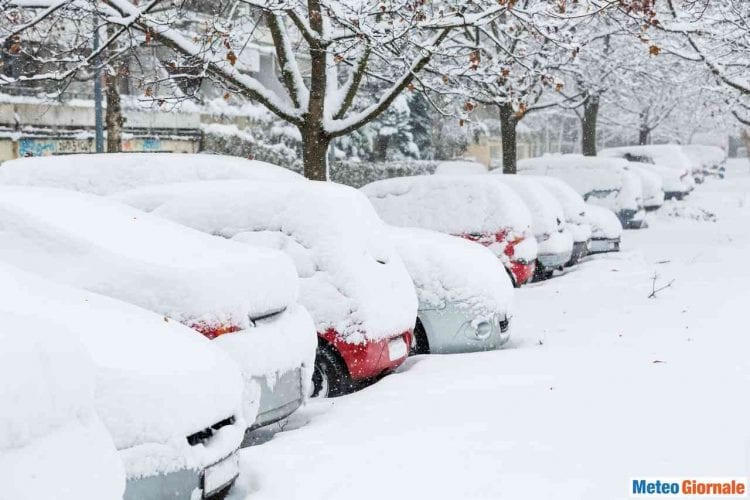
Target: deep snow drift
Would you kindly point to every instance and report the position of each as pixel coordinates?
(600, 384)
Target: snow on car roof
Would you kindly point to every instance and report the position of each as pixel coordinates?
(668, 155)
(670, 177)
(460, 167)
(571, 202)
(706, 156)
(156, 381)
(603, 180)
(652, 186)
(604, 223)
(113, 172)
(110, 248)
(547, 216)
(52, 443)
(449, 204)
(450, 270)
(352, 279)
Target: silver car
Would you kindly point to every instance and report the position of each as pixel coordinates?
(464, 292)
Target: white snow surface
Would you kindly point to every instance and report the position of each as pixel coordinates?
(705, 156)
(603, 181)
(110, 248)
(351, 278)
(460, 167)
(157, 381)
(604, 386)
(52, 442)
(651, 184)
(604, 223)
(669, 155)
(570, 201)
(671, 178)
(114, 172)
(451, 270)
(579, 232)
(458, 205)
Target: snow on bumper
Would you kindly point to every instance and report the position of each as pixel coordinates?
(280, 345)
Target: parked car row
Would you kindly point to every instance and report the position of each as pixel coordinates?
(163, 305)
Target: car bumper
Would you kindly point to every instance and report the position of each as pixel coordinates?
(521, 271)
(279, 397)
(580, 250)
(552, 261)
(675, 195)
(371, 358)
(601, 245)
(449, 331)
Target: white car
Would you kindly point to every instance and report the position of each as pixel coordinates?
(606, 229)
(651, 184)
(547, 222)
(574, 211)
(464, 296)
(662, 155)
(351, 278)
(109, 173)
(169, 398)
(243, 298)
(601, 181)
(52, 442)
(471, 207)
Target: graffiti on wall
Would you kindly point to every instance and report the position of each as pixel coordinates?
(44, 146)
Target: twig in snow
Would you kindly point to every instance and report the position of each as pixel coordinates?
(654, 289)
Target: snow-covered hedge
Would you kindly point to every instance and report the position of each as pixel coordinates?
(357, 173)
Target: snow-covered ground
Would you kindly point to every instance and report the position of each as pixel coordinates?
(601, 384)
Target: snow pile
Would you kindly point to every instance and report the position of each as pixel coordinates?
(651, 184)
(603, 181)
(52, 443)
(105, 174)
(604, 223)
(115, 250)
(671, 178)
(450, 270)
(673, 208)
(460, 167)
(352, 279)
(157, 381)
(571, 203)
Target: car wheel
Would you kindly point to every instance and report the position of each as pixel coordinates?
(330, 377)
(420, 345)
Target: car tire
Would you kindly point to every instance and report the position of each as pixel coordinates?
(330, 376)
(420, 345)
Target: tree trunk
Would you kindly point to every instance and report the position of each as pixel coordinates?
(643, 136)
(113, 119)
(508, 133)
(315, 153)
(588, 126)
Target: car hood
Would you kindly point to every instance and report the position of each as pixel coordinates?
(156, 381)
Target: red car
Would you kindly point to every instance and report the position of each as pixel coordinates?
(478, 208)
(352, 281)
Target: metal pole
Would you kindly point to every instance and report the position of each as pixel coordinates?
(98, 115)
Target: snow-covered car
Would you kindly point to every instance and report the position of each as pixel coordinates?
(460, 167)
(464, 296)
(52, 442)
(663, 155)
(109, 173)
(651, 184)
(712, 159)
(352, 280)
(606, 229)
(472, 207)
(169, 398)
(244, 299)
(602, 181)
(554, 241)
(574, 210)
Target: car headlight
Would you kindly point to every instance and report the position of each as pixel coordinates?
(483, 330)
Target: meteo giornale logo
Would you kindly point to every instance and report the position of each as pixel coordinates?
(714, 487)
